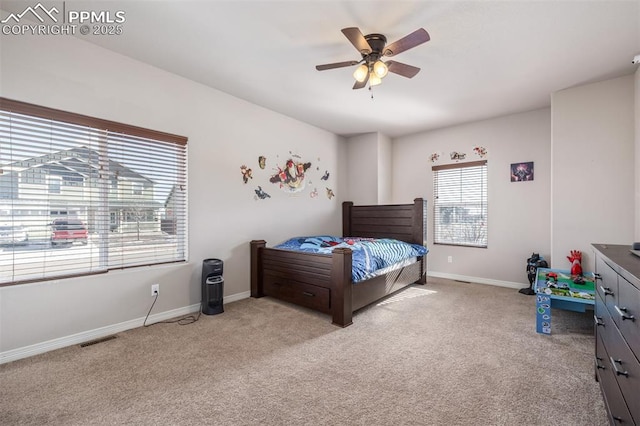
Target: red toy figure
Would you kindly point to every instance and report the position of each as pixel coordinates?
(575, 259)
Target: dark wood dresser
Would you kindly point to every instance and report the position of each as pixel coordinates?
(617, 324)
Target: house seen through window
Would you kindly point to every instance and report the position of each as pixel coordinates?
(80, 195)
(460, 204)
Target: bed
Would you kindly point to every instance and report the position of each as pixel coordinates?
(323, 282)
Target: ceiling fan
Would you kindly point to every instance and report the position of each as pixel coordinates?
(373, 47)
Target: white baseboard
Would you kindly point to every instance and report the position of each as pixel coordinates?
(98, 333)
(237, 296)
(476, 280)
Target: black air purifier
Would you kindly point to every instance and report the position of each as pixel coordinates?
(212, 287)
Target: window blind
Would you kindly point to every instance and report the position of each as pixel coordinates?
(80, 195)
(460, 204)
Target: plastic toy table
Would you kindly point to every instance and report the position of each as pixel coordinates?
(556, 288)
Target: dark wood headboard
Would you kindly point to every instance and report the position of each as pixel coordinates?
(404, 222)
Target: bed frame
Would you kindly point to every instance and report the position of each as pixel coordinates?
(323, 281)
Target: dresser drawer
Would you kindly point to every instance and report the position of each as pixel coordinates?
(311, 296)
(604, 325)
(600, 311)
(627, 314)
(626, 369)
(607, 284)
(616, 406)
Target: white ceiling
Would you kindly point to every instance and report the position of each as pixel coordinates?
(484, 59)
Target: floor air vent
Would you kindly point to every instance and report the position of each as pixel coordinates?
(95, 342)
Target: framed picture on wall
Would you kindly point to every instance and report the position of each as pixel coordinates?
(522, 172)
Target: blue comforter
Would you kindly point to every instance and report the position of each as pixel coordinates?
(369, 254)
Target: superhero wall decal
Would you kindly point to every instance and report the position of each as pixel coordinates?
(438, 156)
(246, 173)
(293, 176)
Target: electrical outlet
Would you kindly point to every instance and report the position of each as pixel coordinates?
(450, 259)
(155, 289)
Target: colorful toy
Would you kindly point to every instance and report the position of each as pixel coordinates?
(533, 263)
(576, 259)
(576, 266)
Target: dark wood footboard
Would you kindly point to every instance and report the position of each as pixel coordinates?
(317, 281)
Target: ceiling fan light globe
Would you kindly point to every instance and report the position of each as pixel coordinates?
(374, 80)
(360, 74)
(380, 69)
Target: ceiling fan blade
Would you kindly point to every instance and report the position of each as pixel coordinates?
(357, 39)
(336, 65)
(360, 85)
(404, 70)
(407, 42)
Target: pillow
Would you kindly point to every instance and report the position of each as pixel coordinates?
(319, 242)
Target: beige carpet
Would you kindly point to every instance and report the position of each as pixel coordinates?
(446, 353)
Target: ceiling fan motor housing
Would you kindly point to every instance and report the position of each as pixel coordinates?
(377, 43)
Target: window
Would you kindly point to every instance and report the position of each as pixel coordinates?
(136, 188)
(54, 184)
(61, 167)
(34, 175)
(460, 204)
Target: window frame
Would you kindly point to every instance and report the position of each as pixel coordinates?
(10, 106)
(476, 227)
(54, 184)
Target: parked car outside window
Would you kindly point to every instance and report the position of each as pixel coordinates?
(68, 231)
(13, 234)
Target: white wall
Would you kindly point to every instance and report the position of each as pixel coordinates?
(224, 133)
(518, 211)
(385, 161)
(593, 166)
(369, 169)
(637, 150)
(362, 169)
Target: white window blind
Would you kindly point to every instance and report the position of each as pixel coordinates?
(460, 204)
(80, 195)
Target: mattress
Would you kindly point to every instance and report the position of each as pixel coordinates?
(370, 256)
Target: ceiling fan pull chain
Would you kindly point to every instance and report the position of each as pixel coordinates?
(371, 90)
